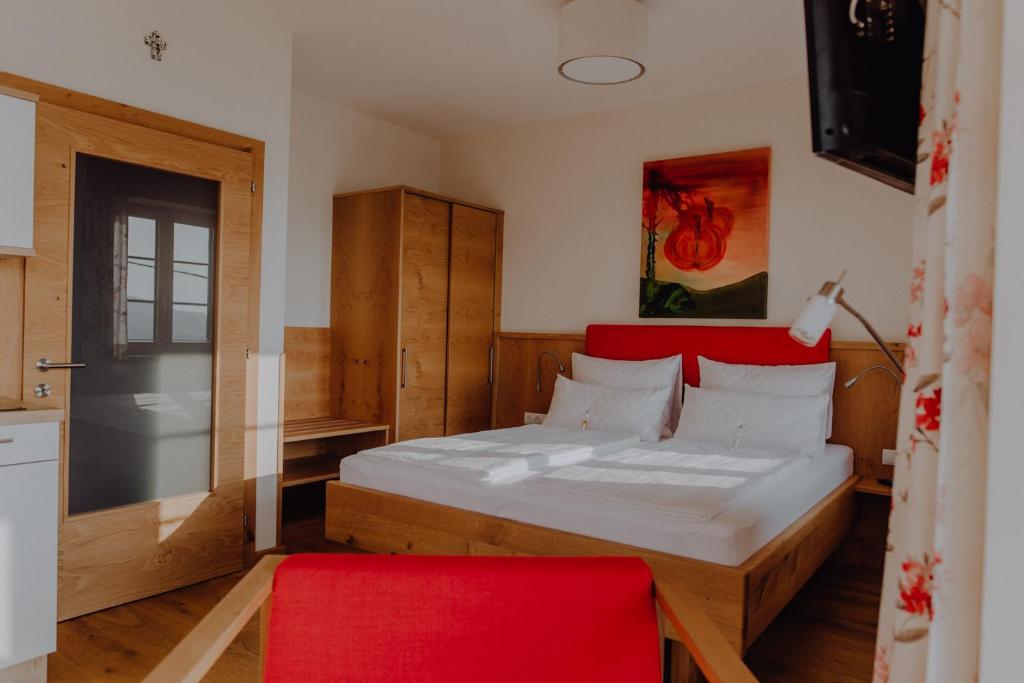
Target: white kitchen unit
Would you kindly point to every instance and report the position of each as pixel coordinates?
(29, 442)
(17, 171)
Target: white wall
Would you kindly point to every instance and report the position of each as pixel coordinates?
(228, 65)
(1002, 599)
(336, 149)
(572, 190)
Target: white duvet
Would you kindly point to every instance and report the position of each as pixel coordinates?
(503, 456)
(675, 479)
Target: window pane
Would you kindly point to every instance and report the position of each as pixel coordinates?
(141, 237)
(141, 279)
(189, 323)
(191, 283)
(191, 243)
(140, 321)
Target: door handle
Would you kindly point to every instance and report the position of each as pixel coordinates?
(44, 364)
(405, 366)
(6, 439)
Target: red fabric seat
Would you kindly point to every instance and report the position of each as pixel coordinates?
(404, 618)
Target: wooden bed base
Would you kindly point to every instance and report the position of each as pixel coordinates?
(741, 600)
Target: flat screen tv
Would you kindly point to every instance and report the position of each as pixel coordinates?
(864, 59)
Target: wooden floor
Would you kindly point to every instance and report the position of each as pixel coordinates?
(825, 635)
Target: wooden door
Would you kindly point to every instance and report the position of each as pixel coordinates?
(113, 554)
(424, 318)
(471, 319)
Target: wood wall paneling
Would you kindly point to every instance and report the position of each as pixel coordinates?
(365, 274)
(307, 379)
(12, 299)
(471, 312)
(424, 318)
(515, 373)
(865, 415)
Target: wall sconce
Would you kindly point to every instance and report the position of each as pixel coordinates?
(561, 365)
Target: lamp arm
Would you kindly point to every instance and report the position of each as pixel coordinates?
(874, 335)
(561, 366)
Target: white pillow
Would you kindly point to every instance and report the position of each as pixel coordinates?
(790, 423)
(636, 374)
(604, 409)
(776, 380)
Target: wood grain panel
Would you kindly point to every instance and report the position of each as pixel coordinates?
(384, 522)
(470, 319)
(12, 301)
(424, 318)
(515, 373)
(779, 570)
(307, 387)
(126, 553)
(365, 273)
(865, 415)
(90, 104)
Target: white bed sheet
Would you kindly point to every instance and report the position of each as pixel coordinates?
(679, 479)
(733, 535)
(500, 456)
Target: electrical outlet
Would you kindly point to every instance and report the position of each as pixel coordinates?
(533, 418)
(888, 456)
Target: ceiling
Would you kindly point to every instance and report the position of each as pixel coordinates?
(453, 67)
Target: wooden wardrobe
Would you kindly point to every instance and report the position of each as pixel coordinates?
(415, 302)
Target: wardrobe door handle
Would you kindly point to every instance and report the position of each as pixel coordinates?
(6, 439)
(490, 365)
(405, 366)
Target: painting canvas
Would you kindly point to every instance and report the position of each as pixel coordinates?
(704, 236)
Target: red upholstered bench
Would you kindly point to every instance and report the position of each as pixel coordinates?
(384, 618)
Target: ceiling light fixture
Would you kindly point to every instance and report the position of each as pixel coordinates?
(602, 42)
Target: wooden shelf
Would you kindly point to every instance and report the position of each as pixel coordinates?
(310, 469)
(873, 486)
(326, 427)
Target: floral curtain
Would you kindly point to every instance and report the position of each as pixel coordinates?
(929, 619)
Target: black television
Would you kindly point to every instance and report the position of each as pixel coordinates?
(864, 61)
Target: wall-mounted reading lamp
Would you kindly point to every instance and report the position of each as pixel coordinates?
(818, 313)
(561, 366)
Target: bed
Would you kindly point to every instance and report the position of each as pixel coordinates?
(744, 564)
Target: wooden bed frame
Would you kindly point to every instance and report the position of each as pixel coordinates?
(741, 600)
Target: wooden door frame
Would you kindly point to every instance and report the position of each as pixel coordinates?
(77, 101)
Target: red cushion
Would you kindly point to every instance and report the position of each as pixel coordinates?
(363, 618)
(751, 345)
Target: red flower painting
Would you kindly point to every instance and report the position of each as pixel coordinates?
(704, 237)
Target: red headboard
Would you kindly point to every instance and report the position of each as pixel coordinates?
(752, 345)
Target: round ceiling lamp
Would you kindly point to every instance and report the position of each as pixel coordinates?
(602, 42)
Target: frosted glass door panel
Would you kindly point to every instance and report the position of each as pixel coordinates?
(142, 322)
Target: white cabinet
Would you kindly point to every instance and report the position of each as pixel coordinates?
(28, 541)
(17, 173)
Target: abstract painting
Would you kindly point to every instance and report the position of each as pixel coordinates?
(704, 236)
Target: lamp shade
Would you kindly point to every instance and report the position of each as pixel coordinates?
(602, 42)
(813, 320)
